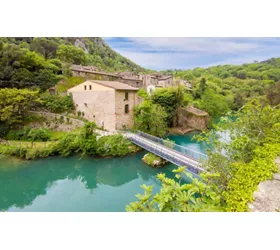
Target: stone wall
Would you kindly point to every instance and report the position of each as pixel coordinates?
(188, 120)
(57, 122)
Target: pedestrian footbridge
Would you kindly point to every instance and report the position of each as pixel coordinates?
(174, 153)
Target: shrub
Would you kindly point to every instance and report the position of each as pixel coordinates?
(56, 103)
(241, 187)
(175, 196)
(68, 145)
(114, 145)
(19, 135)
(40, 134)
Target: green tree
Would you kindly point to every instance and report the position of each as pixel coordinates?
(19, 67)
(170, 99)
(215, 104)
(201, 87)
(71, 54)
(44, 46)
(14, 103)
(150, 118)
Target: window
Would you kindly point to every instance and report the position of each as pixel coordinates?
(89, 87)
(126, 96)
(126, 109)
(85, 87)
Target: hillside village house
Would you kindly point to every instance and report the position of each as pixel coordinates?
(108, 103)
(158, 80)
(92, 72)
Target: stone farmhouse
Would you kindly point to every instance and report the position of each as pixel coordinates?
(108, 103)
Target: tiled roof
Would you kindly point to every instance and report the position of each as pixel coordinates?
(131, 78)
(115, 85)
(82, 69)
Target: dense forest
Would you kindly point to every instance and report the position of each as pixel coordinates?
(42, 62)
(218, 88)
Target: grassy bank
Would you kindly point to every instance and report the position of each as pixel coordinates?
(70, 144)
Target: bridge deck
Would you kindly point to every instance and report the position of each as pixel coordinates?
(166, 153)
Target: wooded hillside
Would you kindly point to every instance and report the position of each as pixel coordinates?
(29, 61)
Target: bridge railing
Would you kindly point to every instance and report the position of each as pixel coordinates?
(180, 149)
(178, 160)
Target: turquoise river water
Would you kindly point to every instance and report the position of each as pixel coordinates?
(73, 184)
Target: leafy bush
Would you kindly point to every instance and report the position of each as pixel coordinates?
(197, 196)
(68, 145)
(57, 103)
(114, 145)
(40, 134)
(241, 187)
(19, 135)
(28, 134)
(143, 93)
(4, 129)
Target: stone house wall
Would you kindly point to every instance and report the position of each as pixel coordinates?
(122, 118)
(97, 104)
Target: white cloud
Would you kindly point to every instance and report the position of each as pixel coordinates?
(184, 53)
(160, 60)
(209, 45)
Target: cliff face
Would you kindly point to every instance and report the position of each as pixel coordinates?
(191, 118)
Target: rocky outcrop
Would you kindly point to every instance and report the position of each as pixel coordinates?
(153, 160)
(187, 119)
(267, 197)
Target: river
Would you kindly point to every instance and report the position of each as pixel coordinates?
(72, 184)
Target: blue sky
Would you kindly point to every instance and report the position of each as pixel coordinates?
(186, 53)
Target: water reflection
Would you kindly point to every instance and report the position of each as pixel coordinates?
(47, 185)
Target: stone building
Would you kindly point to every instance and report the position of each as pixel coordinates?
(92, 72)
(158, 80)
(134, 82)
(108, 103)
(165, 82)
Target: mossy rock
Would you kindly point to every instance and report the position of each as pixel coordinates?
(153, 160)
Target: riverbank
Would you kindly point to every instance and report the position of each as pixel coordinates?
(71, 144)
